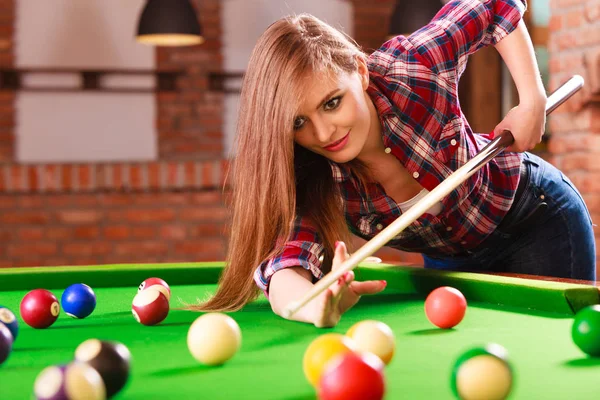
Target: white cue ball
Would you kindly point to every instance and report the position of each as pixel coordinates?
(214, 338)
(484, 377)
(374, 337)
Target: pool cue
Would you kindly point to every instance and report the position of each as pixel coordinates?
(497, 145)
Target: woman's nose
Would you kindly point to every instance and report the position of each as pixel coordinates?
(324, 131)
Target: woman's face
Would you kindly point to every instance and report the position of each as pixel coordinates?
(334, 119)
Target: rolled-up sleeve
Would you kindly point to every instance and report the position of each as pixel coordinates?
(462, 27)
(301, 249)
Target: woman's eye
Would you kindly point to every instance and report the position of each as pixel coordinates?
(298, 122)
(333, 103)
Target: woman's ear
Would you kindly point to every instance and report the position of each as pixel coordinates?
(363, 71)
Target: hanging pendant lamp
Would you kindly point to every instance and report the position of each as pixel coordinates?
(169, 23)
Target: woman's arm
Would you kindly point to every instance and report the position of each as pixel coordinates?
(517, 52)
(516, 49)
(288, 285)
(325, 310)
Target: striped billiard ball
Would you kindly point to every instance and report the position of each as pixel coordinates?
(156, 283)
(7, 317)
(74, 381)
(112, 360)
(39, 308)
(150, 307)
(482, 373)
(78, 300)
(6, 342)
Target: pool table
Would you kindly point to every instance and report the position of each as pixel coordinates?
(531, 318)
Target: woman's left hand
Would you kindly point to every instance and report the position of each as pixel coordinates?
(527, 123)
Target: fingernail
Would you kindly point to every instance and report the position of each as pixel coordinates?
(347, 276)
(384, 283)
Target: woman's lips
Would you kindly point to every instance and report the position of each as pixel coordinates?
(337, 146)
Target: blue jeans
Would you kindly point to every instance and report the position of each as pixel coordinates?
(548, 231)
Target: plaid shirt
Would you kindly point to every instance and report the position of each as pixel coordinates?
(414, 84)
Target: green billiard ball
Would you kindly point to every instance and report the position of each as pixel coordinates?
(482, 373)
(586, 330)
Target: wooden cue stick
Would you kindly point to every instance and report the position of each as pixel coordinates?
(492, 149)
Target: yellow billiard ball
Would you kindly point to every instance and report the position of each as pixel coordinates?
(320, 351)
(374, 337)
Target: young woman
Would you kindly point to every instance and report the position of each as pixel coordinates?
(333, 143)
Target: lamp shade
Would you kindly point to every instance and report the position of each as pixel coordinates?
(410, 15)
(169, 23)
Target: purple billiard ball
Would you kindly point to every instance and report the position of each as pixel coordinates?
(72, 381)
(6, 342)
(78, 300)
(8, 318)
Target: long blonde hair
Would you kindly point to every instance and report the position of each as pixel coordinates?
(274, 180)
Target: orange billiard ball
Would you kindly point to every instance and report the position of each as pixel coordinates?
(321, 351)
(445, 307)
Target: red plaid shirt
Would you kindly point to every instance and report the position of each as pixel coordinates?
(414, 84)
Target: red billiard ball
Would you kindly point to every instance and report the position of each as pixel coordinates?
(445, 307)
(39, 308)
(150, 307)
(353, 376)
(156, 283)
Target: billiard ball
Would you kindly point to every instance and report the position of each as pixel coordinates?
(482, 373)
(353, 376)
(74, 381)
(78, 300)
(112, 360)
(156, 283)
(322, 350)
(8, 318)
(150, 307)
(39, 308)
(214, 338)
(6, 342)
(585, 330)
(375, 337)
(445, 307)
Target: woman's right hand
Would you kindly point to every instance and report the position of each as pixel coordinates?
(343, 294)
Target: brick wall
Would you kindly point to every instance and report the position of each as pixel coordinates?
(574, 47)
(190, 121)
(169, 210)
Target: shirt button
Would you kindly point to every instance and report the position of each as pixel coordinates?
(388, 150)
(415, 175)
(379, 226)
(448, 228)
(453, 142)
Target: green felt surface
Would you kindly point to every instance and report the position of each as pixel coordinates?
(269, 365)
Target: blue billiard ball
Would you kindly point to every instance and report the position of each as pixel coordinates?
(8, 318)
(78, 300)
